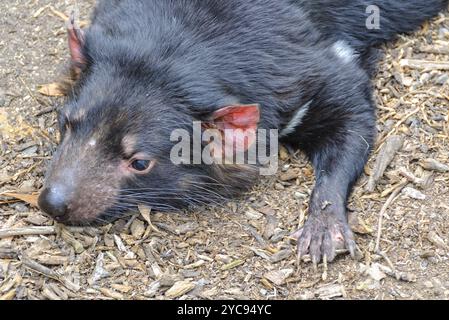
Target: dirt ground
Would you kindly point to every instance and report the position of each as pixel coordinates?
(242, 250)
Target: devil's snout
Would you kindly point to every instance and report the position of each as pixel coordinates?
(54, 201)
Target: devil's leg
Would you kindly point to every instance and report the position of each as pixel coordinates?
(337, 135)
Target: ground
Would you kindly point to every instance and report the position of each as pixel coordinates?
(241, 250)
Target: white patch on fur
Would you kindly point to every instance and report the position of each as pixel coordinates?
(92, 142)
(296, 120)
(344, 51)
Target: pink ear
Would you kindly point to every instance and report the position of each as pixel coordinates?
(76, 41)
(238, 125)
(245, 117)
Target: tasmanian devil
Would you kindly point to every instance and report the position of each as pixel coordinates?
(146, 68)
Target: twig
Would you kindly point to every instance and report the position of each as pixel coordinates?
(424, 64)
(33, 265)
(401, 276)
(8, 253)
(45, 111)
(383, 210)
(390, 264)
(385, 157)
(396, 127)
(439, 49)
(30, 231)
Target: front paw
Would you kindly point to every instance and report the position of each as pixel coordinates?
(324, 234)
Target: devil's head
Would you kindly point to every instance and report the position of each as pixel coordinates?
(116, 129)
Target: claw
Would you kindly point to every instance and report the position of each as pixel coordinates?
(321, 237)
(328, 247)
(315, 263)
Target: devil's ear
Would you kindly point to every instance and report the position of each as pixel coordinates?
(237, 127)
(76, 42)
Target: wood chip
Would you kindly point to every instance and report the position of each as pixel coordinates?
(111, 293)
(70, 239)
(279, 277)
(59, 14)
(270, 226)
(232, 265)
(195, 265)
(50, 294)
(39, 11)
(99, 271)
(413, 194)
(437, 240)
(400, 276)
(8, 253)
(137, 229)
(28, 198)
(281, 255)
(52, 90)
(33, 265)
(179, 289)
(434, 165)
(358, 225)
(386, 155)
(330, 291)
(289, 175)
(9, 295)
(52, 260)
(252, 214)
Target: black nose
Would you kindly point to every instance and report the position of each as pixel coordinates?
(53, 201)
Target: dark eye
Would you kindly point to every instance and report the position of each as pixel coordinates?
(141, 165)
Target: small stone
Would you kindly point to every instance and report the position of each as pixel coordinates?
(424, 78)
(223, 258)
(413, 194)
(442, 80)
(443, 33)
(407, 81)
(300, 196)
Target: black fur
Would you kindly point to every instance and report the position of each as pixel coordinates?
(155, 66)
